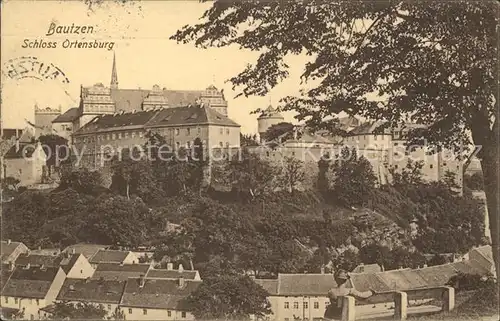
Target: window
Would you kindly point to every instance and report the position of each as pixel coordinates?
(227, 145)
(287, 305)
(306, 305)
(221, 144)
(295, 305)
(227, 131)
(316, 305)
(177, 145)
(221, 130)
(125, 135)
(183, 314)
(188, 144)
(327, 302)
(119, 135)
(141, 134)
(32, 317)
(396, 144)
(444, 164)
(129, 311)
(37, 301)
(431, 166)
(133, 135)
(145, 311)
(199, 130)
(177, 132)
(109, 306)
(188, 130)
(375, 137)
(396, 166)
(287, 319)
(6, 299)
(169, 313)
(15, 300)
(113, 136)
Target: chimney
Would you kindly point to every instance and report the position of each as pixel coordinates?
(181, 282)
(142, 280)
(11, 266)
(73, 251)
(425, 265)
(322, 270)
(17, 145)
(9, 241)
(361, 268)
(170, 266)
(181, 268)
(71, 287)
(87, 280)
(27, 267)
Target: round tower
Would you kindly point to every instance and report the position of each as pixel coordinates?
(268, 118)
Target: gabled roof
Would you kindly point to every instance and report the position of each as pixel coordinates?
(171, 274)
(178, 116)
(6, 273)
(88, 250)
(368, 128)
(305, 284)
(121, 272)
(7, 248)
(157, 293)
(100, 291)
(68, 116)
(270, 112)
(109, 256)
(30, 283)
(37, 260)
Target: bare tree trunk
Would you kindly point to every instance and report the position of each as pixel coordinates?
(490, 166)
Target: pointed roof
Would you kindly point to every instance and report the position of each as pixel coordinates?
(114, 74)
(271, 112)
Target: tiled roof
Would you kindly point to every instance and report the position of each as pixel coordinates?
(270, 112)
(88, 250)
(190, 115)
(367, 128)
(165, 117)
(485, 251)
(37, 260)
(7, 249)
(30, 283)
(130, 99)
(6, 273)
(271, 286)
(171, 274)
(101, 291)
(305, 284)
(68, 117)
(368, 281)
(157, 293)
(109, 256)
(121, 272)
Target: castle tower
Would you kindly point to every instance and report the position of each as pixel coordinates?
(44, 118)
(114, 75)
(268, 118)
(155, 99)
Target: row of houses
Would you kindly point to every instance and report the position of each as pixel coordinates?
(32, 282)
(304, 296)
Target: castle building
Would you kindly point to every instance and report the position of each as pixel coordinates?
(44, 118)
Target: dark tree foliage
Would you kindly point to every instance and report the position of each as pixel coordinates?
(56, 148)
(279, 133)
(78, 311)
(434, 62)
(229, 297)
(82, 181)
(248, 140)
(353, 178)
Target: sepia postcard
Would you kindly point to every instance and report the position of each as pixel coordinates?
(264, 160)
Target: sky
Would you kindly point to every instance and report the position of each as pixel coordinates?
(145, 56)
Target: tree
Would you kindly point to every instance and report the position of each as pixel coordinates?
(423, 62)
(229, 297)
(292, 173)
(409, 175)
(282, 131)
(78, 311)
(251, 174)
(353, 179)
(323, 167)
(474, 181)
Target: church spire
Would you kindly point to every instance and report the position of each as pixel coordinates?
(114, 75)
